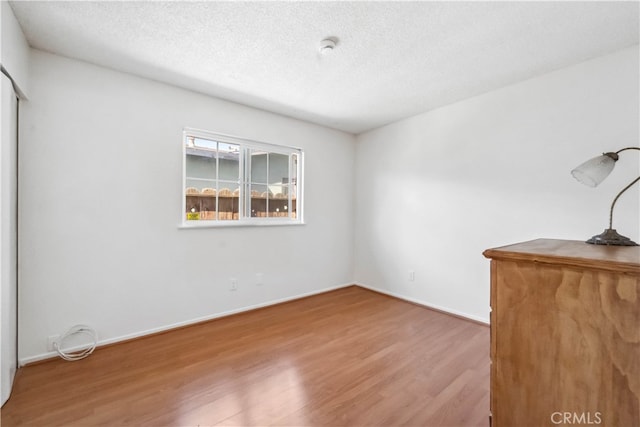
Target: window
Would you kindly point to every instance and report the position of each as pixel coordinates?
(229, 180)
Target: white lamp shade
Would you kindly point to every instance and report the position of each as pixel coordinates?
(594, 171)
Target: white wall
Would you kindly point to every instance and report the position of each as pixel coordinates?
(14, 50)
(8, 237)
(435, 190)
(100, 204)
(100, 184)
(14, 55)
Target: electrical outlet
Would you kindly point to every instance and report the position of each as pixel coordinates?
(259, 279)
(412, 275)
(234, 284)
(50, 340)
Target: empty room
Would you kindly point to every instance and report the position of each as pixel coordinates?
(311, 213)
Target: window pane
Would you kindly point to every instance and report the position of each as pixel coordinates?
(200, 179)
(293, 185)
(202, 143)
(279, 206)
(200, 159)
(278, 168)
(201, 165)
(259, 166)
(207, 207)
(229, 163)
(259, 200)
(228, 201)
(278, 180)
(294, 174)
(192, 208)
(200, 207)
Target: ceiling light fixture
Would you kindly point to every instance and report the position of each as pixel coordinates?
(327, 45)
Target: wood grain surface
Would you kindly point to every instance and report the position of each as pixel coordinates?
(350, 357)
(565, 337)
(621, 259)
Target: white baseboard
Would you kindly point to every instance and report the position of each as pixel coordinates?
(425, 304)
(32, 359)
(37, 358)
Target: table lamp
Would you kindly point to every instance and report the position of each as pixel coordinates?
(593, 172)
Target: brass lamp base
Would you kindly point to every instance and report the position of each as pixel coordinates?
(612, 238)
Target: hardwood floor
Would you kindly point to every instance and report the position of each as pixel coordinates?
(350, 357)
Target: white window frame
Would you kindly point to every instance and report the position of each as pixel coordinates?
(244, 181)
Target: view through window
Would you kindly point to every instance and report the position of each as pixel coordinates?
(233, 179)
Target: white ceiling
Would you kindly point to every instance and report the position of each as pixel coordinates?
(393, 59)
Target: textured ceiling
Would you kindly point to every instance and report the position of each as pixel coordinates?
(393, 59)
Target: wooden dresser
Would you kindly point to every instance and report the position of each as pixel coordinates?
(565, 334)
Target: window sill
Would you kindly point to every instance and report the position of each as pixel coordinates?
(236, 223)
